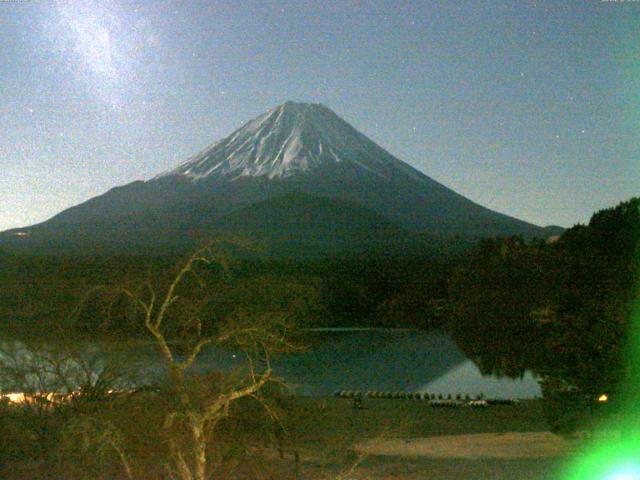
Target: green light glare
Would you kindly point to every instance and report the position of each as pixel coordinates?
(611, 459)
(627, 472)
(615, 454)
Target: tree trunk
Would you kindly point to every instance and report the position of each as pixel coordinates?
(200, 450)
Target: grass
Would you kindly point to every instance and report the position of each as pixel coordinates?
(322, 432)
(327, 428)
(410, 418)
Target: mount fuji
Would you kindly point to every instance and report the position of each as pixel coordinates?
(299, 176)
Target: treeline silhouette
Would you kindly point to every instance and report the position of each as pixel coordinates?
(562, 308)
(350, 290)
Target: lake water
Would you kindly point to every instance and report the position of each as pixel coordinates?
(382, 360)
(392, 360)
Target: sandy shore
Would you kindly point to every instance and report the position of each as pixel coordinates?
(512, 445)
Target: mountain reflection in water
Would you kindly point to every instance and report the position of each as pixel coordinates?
(345, 359)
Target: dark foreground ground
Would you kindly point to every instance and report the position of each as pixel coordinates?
(329, 438)
(335, 429)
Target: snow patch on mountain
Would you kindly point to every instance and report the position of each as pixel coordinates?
(292, 138)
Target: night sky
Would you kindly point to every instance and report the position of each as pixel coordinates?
(527, 107)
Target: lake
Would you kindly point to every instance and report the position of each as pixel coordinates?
(357, 359)
(395, 360)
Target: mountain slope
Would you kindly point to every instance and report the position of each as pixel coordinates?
(302, 148)
(301, 224)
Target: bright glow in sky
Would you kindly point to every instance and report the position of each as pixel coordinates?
(527, 107)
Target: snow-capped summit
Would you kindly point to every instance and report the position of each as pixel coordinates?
(289, 139)
(298, 175)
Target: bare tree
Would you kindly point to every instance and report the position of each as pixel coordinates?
(190, 422)
(195, 416)
(99, 437)
(44, 382)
